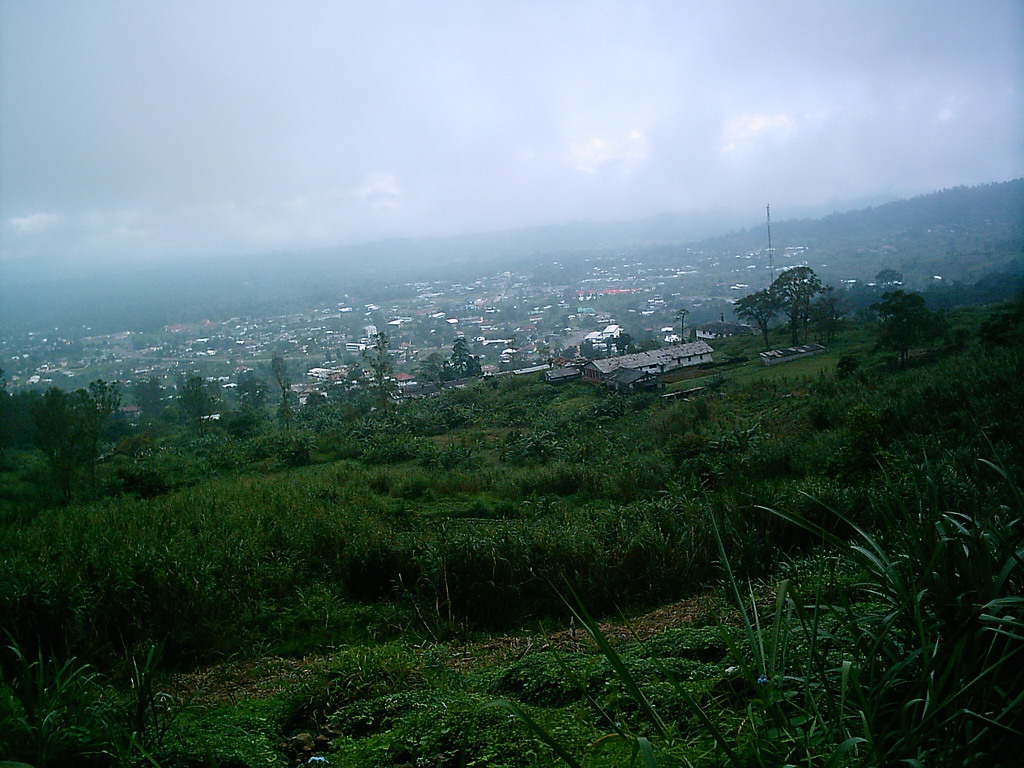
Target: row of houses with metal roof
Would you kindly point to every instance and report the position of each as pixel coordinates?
(640, 370)
(777, 356)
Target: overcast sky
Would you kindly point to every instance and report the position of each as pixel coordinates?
(171, 129)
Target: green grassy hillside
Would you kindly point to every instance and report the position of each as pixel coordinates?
(853, 541)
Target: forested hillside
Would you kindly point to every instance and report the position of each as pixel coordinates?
(962, 234)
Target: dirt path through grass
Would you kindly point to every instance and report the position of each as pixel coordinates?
(269, 676)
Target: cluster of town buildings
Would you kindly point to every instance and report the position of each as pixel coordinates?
(601, 311)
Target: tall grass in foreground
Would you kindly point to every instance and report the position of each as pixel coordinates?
(921, 664)
(65, 713)
(934, 664)
(309, 559)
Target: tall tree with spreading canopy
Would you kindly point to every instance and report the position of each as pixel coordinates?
(69, 427)
(4, 403)
(197, 399)
(889, 278)
(435, 369)
(903, 322)
(623, 342)
(759, 308)
(796, 288)
(251, 392)
(381, 371)
(59, 435)
(149, 395)
(462, 360)
(827, 313)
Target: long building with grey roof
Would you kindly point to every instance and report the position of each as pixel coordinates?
(656, 362)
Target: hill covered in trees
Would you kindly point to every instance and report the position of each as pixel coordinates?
(963, 234)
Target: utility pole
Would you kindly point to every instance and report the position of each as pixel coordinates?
(682, 324)
(771, 251)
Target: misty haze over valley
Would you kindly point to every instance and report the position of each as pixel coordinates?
(134, 132)
(256, 156)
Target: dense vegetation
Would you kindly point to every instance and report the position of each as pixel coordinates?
(854, 523)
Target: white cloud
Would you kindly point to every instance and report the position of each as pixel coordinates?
(747, 128)
(590, 155)
(948, 111)
(34, 224)
(380, 190)
(330, 122)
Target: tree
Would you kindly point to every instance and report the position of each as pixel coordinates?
(827, 313)
(846, 366)
(382, 371)
(759, 308)
(279, 368)
(435, 369)
(4, 403)
(796, 288)
(104, 399)
(904, 322)
(681, 314)
(887, 278)
(16, 427)
(314, 409)
(197, 399)
(58, 434)
(252, 392)
(462, 360)
(149, 396)
(68, 429)
(1005, 328)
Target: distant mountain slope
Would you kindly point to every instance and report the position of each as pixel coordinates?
(962, 234)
